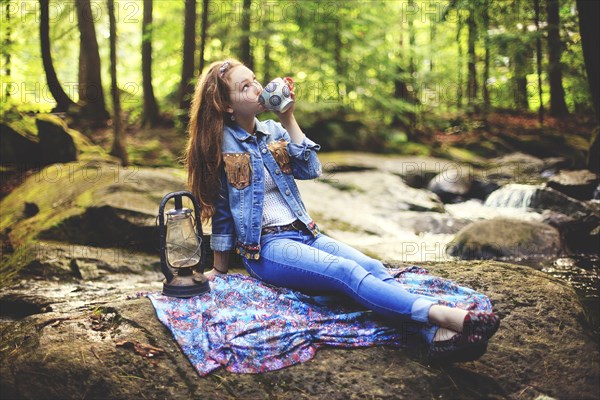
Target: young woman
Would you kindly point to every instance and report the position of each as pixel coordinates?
(242, 170)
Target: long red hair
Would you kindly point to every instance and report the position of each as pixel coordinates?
(208, 117)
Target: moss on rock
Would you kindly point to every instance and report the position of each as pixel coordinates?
(500, 237)
(92, 203)
(541, 349)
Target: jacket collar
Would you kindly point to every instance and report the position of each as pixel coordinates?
(241, 134)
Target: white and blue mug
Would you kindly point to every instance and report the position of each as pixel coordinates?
(276, 96)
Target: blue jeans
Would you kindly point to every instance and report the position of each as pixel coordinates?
(300, 261)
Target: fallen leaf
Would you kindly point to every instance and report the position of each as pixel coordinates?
(143, 349)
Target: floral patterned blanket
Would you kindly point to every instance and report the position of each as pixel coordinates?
(247, 326)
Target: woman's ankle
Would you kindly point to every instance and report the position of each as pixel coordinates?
(447, 317)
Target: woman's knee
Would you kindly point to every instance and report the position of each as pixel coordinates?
(350, 273)
(373, 264)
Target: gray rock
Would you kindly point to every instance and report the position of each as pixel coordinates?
(556, 163)
(68, 262)
(550, 199)
(525, 161)
(452, 186)
(116, 348)
(578, 184)
(388, 192)
(516, 168)
(435, 223)
(18, 304)
(577, 235)
(504, 238)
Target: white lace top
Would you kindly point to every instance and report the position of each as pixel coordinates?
(275, 211)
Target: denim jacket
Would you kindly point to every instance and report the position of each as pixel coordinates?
(237, 221)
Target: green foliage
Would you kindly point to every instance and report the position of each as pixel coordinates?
(150, 152)
(345, 57)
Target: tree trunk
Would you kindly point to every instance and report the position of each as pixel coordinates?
(520, 83)
(486, 60)
(7, 43)
(337, 56)
(519, 60)
(411, 40)
(204, 28)
(590, 33)
(245, 48)
(432, 34)
(590, 37)
(186, 87)
(118, 148)
(412, 67)
(91, 94)
(471, 64)
(267, 60)
(538, 57)
(401, 92)
(459, 93)
(63, 102)
(151, 113)
(558, 107)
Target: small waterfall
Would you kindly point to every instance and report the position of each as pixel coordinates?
(512, 196)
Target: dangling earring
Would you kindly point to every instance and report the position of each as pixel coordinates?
(232, 117)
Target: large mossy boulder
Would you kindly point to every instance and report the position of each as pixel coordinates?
(505, 238)
(19, 147)
(56, 143)
(93, 203)
(43, 140)
(79, 344)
